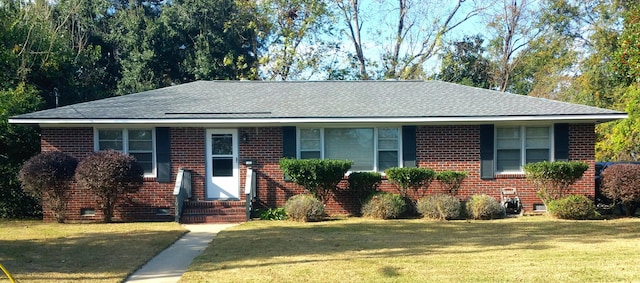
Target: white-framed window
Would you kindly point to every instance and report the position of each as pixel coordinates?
(139, 143)
(370, 149)
(519, 145)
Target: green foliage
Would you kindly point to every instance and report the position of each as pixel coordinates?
(110, 175)
(576, 207)
(439, 206)
(621, 183)
(48, 177)
(411, 182)
(273, 214)
(552, 179)
(304, 207)
(17, 144)
(384, 206)
(484, 207)
(364, 184)
(451, 180)
(465, 63)
(319, 177)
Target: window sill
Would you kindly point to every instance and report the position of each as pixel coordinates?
(511, 175)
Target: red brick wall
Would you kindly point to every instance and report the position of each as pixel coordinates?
(438, 147)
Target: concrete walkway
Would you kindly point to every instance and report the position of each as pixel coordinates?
(170, 264)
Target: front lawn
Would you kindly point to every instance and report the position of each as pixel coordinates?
(34, 251)
(525, 249)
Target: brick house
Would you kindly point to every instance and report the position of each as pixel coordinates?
(212, 128)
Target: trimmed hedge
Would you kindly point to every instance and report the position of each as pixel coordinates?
(621, 183)
(364, 184)
(110, 175)
(439, 206)
(576, 207)
(318, 176)
(384, 206)
(48, 177)
(411, 182)
(484, 207)
(451, 180)
(304, 207)
(552, 179)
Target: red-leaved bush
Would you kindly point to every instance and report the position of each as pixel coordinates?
(110, 175)
(621, 182)
(48, 177)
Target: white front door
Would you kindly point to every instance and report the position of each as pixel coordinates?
(223, 177)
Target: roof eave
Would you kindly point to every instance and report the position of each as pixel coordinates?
(582, 118)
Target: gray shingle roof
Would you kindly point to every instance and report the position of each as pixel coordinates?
(254, 100)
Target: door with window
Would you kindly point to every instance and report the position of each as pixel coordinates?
(222, 168)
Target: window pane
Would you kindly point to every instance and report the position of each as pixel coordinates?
(387, 144)
(508, 138)
(140, 145)
(222, 144)
(538, 137)
(310, 154)
(508, 160)
(115, 145)
(110, 139)
(222, 167)
(145, 160)
(310, 134)
(110, 134)
(309, 144)
(388, 133)
(537, 155)
(351, 144)
(144, 135)
(387, 159)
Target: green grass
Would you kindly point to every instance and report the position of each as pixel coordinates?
(526, 249)
(34, 251)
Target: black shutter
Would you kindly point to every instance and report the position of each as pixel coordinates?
(486, 151)
(561, 142)
(409, 146)
(163, 155)
(289, 142)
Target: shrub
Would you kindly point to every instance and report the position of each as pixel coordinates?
(48, 177)
(304, 207)
(384, 206)
(484, 207)
(273, 214)
(319, 177)
(439, 206)
(621, 183)
(552, 179)
(410, 180)
(364, 184)
(110, 175)
(451, 180)
(572, 207)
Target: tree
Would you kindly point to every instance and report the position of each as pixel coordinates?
(110, 175)
(512, 27)
(620, 140)
(17, 145)
(418, 29)
(351, 12)
(465, 63)
(48, 177)
(299, 37)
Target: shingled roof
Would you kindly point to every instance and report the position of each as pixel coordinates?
(213, 102)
